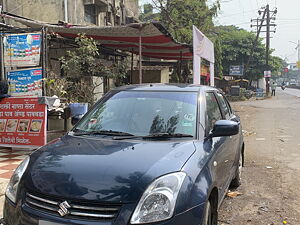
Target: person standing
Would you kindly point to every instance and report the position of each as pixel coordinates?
(273, 87)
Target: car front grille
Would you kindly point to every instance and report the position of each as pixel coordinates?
(71, 209)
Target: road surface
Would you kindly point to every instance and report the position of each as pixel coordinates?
(291, 91)
(271, 177)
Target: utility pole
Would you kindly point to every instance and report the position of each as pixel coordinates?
(297, 48)
(265, 21)
(268, 49)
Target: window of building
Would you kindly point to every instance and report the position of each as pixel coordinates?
(108, 19)
(118, 20)
(90, 14)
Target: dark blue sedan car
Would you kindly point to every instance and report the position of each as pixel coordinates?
(145, 154)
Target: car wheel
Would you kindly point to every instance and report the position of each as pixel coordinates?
(236, 182)
(210, 215)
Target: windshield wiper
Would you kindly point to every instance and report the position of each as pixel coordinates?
(157, 135)
(167, 135)
(102, 132)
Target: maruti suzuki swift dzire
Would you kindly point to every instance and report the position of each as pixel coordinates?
(144, 154)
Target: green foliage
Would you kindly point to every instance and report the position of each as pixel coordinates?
(236, 49)
(80, 67)
(179, 16)
(218, 59)
(148, 15)
(277, 66)
(83, 61)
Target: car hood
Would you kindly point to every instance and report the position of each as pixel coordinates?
(103, 169)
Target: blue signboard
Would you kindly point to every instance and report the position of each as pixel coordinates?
(22, 50)
(25, 82)
(236, 70)
(259, 92)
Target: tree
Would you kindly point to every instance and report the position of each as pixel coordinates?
(277, 66)
(148, 15)
(179, 16)
(236, 46)
(82, 65)
(218, 59)
(236, 49)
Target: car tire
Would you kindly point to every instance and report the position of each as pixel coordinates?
(236, 182)
(210, 214)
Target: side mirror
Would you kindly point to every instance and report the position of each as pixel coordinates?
(225, 128)
(75, 119)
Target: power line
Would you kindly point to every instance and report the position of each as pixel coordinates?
(267, 21)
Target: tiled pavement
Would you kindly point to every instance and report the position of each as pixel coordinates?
(9, 160)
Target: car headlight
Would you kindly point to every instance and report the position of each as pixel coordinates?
(158, 201)
(12, 187)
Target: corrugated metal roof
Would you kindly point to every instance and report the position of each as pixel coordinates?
(157, 42)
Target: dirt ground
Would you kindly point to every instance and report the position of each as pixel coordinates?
(271, 176)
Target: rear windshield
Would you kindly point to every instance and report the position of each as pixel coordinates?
(144, 113)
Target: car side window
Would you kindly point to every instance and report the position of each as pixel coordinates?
(212, 110)
(229, 106)
(224, 106)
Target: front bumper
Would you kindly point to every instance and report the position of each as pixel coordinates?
(23, 215)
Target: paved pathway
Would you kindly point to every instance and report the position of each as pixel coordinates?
(9, 161)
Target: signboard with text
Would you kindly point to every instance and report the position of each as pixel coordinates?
(22, 50)
(236, 70)
(22, 122)
(267, 74)
(25, 82)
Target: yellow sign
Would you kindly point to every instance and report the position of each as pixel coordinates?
(298, 64)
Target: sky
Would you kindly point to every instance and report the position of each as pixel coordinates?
(240, 13)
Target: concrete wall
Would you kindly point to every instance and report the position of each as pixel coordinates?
(43, 10)
(133, 6)
(53, 10)
(152, 76)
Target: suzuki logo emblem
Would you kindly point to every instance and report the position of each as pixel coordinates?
(64, 206)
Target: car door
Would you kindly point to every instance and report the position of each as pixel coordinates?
(233, 141)
(218, 146)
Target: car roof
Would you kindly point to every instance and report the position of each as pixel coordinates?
(165, 87)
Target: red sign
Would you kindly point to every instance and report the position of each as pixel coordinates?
(286, 70)
(22, 122)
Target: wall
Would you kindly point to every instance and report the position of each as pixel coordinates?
(53, 10)
(133, 6)
(160, 75)
(43, 10)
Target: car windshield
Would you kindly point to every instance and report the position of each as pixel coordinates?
(144, 113)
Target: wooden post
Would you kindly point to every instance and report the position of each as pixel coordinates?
(3, 76)
(131, 74)
(140, 55)
(44, 58)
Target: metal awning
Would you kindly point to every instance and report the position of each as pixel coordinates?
(155, 41)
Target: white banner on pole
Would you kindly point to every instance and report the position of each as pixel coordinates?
(203, 48)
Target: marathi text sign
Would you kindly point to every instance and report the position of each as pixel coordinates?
(25, 82)
(236, 70)
(22, 122)
(22, 50)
